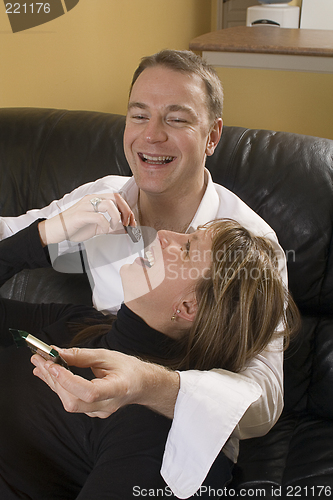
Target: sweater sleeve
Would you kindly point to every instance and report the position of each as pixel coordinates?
(23, 250)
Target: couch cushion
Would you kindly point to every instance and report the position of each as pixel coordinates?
(298, 451)
(320, 392)
(298, 365)
(47, 285)
(288, 179)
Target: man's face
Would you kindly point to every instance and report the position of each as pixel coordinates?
(168, 131)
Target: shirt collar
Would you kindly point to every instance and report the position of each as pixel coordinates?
(209, 205)
(207, 209)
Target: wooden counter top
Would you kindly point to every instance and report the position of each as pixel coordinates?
(267, 40)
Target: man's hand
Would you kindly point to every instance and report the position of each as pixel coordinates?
(120, 380)
(81, 222)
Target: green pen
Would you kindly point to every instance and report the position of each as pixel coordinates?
(23, 339)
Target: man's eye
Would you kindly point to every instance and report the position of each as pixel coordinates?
(139, 117)
(177, 121)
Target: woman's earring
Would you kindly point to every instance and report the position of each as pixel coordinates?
(174, 316)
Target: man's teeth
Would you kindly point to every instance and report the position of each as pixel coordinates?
(150, 258)
(157, 159)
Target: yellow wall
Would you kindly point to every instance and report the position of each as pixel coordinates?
(85, 58)
(279, 100)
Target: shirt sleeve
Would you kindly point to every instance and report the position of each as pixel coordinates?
(208, 408)
(23, 250)
(11, 225)
(72, 262)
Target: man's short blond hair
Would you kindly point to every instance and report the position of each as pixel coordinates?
(187, 62)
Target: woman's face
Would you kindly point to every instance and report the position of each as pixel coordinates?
(172, 265)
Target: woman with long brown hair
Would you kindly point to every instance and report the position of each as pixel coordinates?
(210, 299)
(232, 301)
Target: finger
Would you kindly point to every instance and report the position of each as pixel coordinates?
(114, 204)
(99, 414)
(70, 403)
(88, 391)
(41, 371)
(96, 219)
(82, 396)
(47, 379)
(82, 225)
(100, 222)
(88, 358)
(127, 216)
(77, 394)
(110, 211)
(115, 215)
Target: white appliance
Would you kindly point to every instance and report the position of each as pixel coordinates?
(317, 14)
(279, 14)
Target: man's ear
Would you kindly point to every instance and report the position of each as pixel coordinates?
(214, 136)
(187, 309)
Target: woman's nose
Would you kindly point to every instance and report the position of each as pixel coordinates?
(167, 238)
(163, 238)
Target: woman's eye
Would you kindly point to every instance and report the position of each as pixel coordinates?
(186, 249)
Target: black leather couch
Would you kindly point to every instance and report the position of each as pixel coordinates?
(288, 180)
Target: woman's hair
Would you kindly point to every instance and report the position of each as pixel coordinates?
(186, 61)
(242, 301)
(242, 305)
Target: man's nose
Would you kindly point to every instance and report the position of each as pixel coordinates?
(155, 131)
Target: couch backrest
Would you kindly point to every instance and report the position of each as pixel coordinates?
(45, 153)
(286, 178)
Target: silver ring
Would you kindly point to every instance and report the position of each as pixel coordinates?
(95, 202)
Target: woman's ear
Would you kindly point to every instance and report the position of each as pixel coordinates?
(214, 136)
(187, 309)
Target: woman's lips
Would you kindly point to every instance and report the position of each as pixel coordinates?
(150, 258)
(148, 261)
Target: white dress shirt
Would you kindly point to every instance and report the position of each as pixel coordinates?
(216, 408)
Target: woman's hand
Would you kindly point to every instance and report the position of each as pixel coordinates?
(81, 222)
(120, 380)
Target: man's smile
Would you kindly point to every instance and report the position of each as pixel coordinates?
(156, 159)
